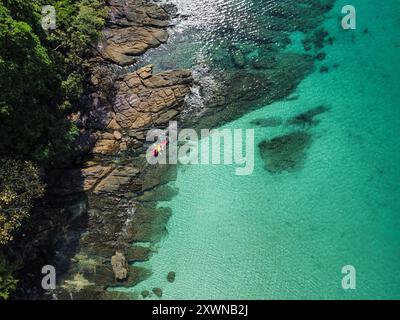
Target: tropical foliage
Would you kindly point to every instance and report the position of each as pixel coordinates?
(7, 281)
(42, 75)
(20, 185)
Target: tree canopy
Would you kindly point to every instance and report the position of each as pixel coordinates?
(42, 75)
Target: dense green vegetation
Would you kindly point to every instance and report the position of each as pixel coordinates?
(42, 75)
(19, 185)
(7, 281)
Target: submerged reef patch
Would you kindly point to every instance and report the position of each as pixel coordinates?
(267, 122)
(307, 118)
(285, 153)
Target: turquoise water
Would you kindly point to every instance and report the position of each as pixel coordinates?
(287, 235)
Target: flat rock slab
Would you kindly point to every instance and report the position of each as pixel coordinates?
(123, 46)
(133, 27)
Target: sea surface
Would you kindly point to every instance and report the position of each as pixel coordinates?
(287, 235)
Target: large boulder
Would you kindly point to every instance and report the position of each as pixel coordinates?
(171, 276)
(120, 266)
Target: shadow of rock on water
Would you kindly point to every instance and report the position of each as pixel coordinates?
(285, 153)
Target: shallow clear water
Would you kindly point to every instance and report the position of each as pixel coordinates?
(287, 235)
(207, 28)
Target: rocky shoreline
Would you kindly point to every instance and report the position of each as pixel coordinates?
(114, 124)
(106, 200)
(92, 208)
